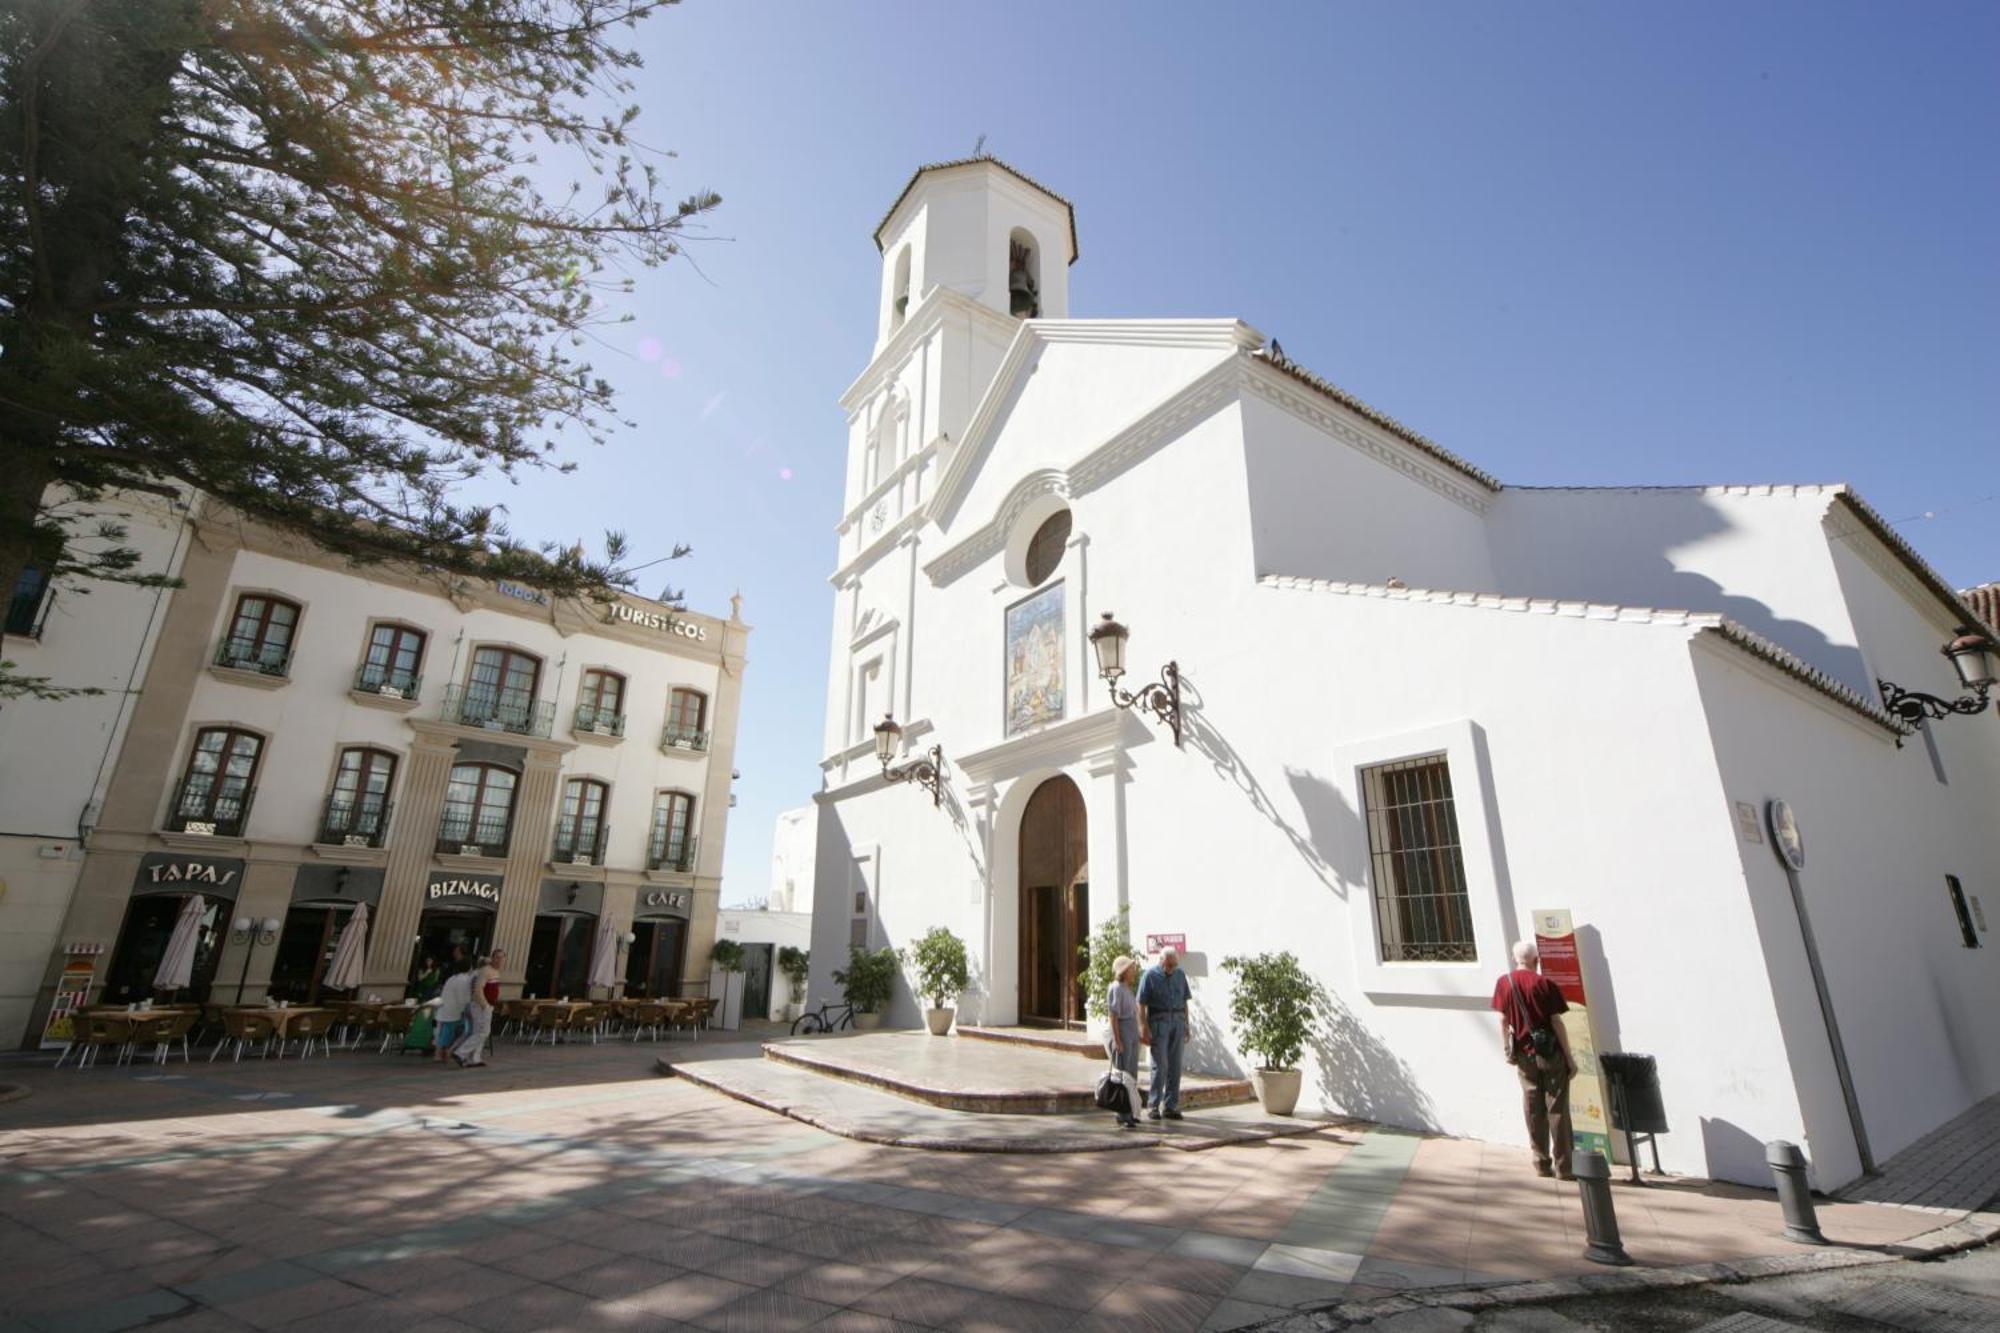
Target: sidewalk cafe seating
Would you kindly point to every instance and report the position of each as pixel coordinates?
(648, 1017)
(163, 1032)
(93, 1033)
(244, 1029)
(307, 1029)
(394, 1025)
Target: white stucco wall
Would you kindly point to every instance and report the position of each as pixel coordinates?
(794, 850)
(56, 755)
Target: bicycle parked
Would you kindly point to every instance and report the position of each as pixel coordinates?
(829, 1017)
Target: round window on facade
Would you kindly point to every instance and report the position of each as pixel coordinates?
(1045, 548)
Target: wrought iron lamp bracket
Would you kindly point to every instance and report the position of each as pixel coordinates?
(1911, 707)
(1161, 698)
(927, 773)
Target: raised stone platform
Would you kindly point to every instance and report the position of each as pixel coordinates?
(1047, 1039)
(982, 1073)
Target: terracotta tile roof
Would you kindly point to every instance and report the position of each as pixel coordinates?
(1021, 176)
(1985, 603)
(1280, 362)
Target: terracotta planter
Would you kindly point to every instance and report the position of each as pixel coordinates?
(939, 1020)
(1277, 1089)
(867, 1022)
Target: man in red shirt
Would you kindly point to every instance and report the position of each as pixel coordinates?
(1537, 1045)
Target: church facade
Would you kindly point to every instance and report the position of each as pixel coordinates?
(1415, 707)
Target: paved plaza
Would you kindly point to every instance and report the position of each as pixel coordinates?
(576, 1188)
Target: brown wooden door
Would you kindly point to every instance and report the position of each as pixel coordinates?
(1055, 904)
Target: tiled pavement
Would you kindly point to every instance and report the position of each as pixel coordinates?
(1956, 1166)
(570, 1188)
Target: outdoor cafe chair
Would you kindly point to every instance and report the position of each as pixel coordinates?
(307, 1029)
(162, 1032)
(394, 1025)
(243, 1029)
(543, 1021)
(92, 1033)
(647, 1018)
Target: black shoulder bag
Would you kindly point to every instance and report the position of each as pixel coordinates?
(1541, 1038)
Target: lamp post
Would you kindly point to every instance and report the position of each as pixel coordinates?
(1972, 653)
(250, 934)
(926, 773)
(1162, 698)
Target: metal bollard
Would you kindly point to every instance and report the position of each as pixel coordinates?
(1600, 1219)
(1788, 1167)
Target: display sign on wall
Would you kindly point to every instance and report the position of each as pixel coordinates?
(1155, 943)
(1555, 937)
(663, 902)
(171, 872)
(72, 993)
(1034, 665)
(446, 889)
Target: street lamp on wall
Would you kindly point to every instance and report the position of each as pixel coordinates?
(250, 933)
(1972, 653)
(926, 773)
(1162, 698)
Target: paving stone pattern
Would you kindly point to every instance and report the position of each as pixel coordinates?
(572, 1188)
(1956, 1166)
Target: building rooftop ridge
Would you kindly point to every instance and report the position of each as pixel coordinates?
(977, 159)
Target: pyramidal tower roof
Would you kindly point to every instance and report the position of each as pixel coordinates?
(982, 160)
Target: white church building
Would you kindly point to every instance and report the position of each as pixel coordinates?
(1416, 706)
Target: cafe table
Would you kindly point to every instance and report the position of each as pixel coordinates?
(281, 1019)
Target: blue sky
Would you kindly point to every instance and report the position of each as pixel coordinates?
(1576, 244)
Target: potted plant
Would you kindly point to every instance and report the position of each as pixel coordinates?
(1271, 1006)
(939, 961)
(868, 980)
(796, 964)
(1112, 938)
(727, 955)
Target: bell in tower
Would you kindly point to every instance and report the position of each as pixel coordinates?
(1023, 300)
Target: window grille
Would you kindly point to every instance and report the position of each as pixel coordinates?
(1422, 910)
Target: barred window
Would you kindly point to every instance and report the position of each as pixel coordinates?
(1422, 911)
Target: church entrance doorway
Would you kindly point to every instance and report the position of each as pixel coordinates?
(1055, 905)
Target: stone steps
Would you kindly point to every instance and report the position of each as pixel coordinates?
(1046, 1039)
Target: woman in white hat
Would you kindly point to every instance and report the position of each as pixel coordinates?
(1121, 1003)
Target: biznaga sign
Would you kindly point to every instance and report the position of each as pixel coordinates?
(464, 888)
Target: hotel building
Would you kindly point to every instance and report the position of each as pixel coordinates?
(479, 764)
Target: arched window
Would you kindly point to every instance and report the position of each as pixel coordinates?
(580, 828)
(671, 845)
(687, 720)
(394, 654)
(899, 293)
(1024, 276)
(600, 703)
(260, 635)
(1045, 548)
(501, 689)
(215, 791)
(357, 810)
(478, 810)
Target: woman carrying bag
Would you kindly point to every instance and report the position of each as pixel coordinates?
(1121, 1003)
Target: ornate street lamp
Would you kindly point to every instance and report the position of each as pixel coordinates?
(926, 773)
(1972, 653)
(1162, 697)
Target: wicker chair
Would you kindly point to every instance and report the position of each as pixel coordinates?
(94, 1032)
(163, 1032)
(648, 1017)
(305, 1030)
(394, 1025)
(243, 1029)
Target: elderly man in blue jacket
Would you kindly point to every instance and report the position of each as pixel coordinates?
(1163, 994)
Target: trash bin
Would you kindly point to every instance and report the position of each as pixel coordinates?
(1632, 1089)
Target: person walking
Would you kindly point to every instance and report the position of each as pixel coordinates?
(1538, 1047)
(454, 998)
(1121, 1005)
(470, 1053)
(1163, 994)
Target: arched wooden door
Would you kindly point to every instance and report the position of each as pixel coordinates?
(1055, 904)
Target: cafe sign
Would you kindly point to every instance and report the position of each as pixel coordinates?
(658, 902)
(165, 872)
(448, 890)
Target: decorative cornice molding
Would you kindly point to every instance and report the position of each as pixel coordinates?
(1414, 461)
(1089, 737)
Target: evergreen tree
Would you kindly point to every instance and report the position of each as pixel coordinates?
(298, 254)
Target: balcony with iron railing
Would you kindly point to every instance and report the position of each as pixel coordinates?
(490, 709)
(665, 852)
(459, 834)
(265, 659)
(591, 720)
(676, 737)
(386, 681)
(200, 808)
(347, 822)
(581, 845)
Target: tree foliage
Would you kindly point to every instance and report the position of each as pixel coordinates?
(1272, 1006)
(302, 255)
(1111, 939)
(941, 966)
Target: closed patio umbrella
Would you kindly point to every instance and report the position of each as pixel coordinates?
(344, 972)
(604, 957)
(176, 967)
